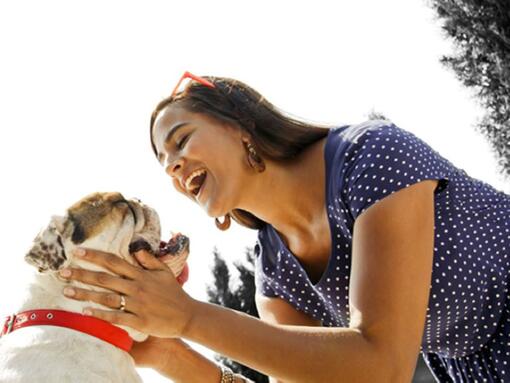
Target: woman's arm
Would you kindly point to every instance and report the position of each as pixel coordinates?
(182, 364)
(390, 279)
(286, 352)
(392, 253)
(278, 311)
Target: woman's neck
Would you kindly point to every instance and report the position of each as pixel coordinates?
(290, 196)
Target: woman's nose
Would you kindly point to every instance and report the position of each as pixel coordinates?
(173, 171)
(173, 168)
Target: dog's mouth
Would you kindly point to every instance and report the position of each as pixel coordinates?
(175, 246)
(178, 244)
(173, 253)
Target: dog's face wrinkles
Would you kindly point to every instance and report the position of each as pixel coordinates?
(102, 221)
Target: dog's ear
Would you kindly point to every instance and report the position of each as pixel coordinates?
(47, 251)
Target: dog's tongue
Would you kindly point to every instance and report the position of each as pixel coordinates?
(183, 276)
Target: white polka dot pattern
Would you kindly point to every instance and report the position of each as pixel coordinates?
(384, 160)
(467, 329)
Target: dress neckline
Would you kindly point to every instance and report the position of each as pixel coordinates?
(283, 247)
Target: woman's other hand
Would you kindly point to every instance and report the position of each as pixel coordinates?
(155, 352)
(176, 360)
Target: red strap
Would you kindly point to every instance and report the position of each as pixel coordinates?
(87, 324)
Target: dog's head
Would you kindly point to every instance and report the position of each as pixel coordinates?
(110, 223)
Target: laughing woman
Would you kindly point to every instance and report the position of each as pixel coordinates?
(371, 248)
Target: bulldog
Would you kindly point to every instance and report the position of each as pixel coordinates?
(51, 353)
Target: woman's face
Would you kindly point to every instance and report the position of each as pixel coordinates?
(203, 143)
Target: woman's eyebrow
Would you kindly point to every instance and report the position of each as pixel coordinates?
(171, 133)
(174, 130)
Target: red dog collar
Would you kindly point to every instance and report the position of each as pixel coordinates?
(87, 324)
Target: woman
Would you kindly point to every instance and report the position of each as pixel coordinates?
(371, 248)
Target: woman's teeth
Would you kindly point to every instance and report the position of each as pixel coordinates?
(192, 177)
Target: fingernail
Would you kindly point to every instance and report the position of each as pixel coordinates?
(79, 252)
(69, 291)
(65, 272)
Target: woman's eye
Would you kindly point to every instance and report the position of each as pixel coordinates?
(181, 142)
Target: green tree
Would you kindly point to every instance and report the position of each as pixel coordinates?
(480, 30)
(241, 299)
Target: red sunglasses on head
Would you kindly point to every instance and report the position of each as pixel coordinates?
(201, 80)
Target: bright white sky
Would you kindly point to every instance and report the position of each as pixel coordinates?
(78, 82)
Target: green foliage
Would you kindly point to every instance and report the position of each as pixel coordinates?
(480, 30)
(241, 299)
(373, 115)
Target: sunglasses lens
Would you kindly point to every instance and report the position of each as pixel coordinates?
(182, 85)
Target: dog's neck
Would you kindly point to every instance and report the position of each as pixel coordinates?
(45, 289)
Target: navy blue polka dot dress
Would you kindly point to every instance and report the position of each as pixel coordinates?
(467, 331)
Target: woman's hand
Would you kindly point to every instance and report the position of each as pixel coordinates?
(156, 304)
(175, 359)
(155, 352)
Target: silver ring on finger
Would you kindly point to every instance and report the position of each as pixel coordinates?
(122, 302)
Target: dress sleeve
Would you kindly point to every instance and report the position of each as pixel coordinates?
(387, 159)
(262, 279)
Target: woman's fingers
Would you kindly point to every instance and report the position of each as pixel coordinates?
(149, 261)
(101, 279)
(155, 302)
(116, 316)
(111, 300)
(110, 261)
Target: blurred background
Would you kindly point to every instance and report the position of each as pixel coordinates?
(79, 80)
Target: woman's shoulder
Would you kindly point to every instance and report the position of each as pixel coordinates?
(376, 158)
(351, 132)
(373, 140)
(344, 142)
(354, 134)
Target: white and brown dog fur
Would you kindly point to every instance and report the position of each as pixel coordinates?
(102, 221)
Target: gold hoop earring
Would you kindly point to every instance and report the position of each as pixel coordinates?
(254, 159)
(223, 225)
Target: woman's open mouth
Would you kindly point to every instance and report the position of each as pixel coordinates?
(198, 182)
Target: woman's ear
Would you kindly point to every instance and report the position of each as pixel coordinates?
(47, 251)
